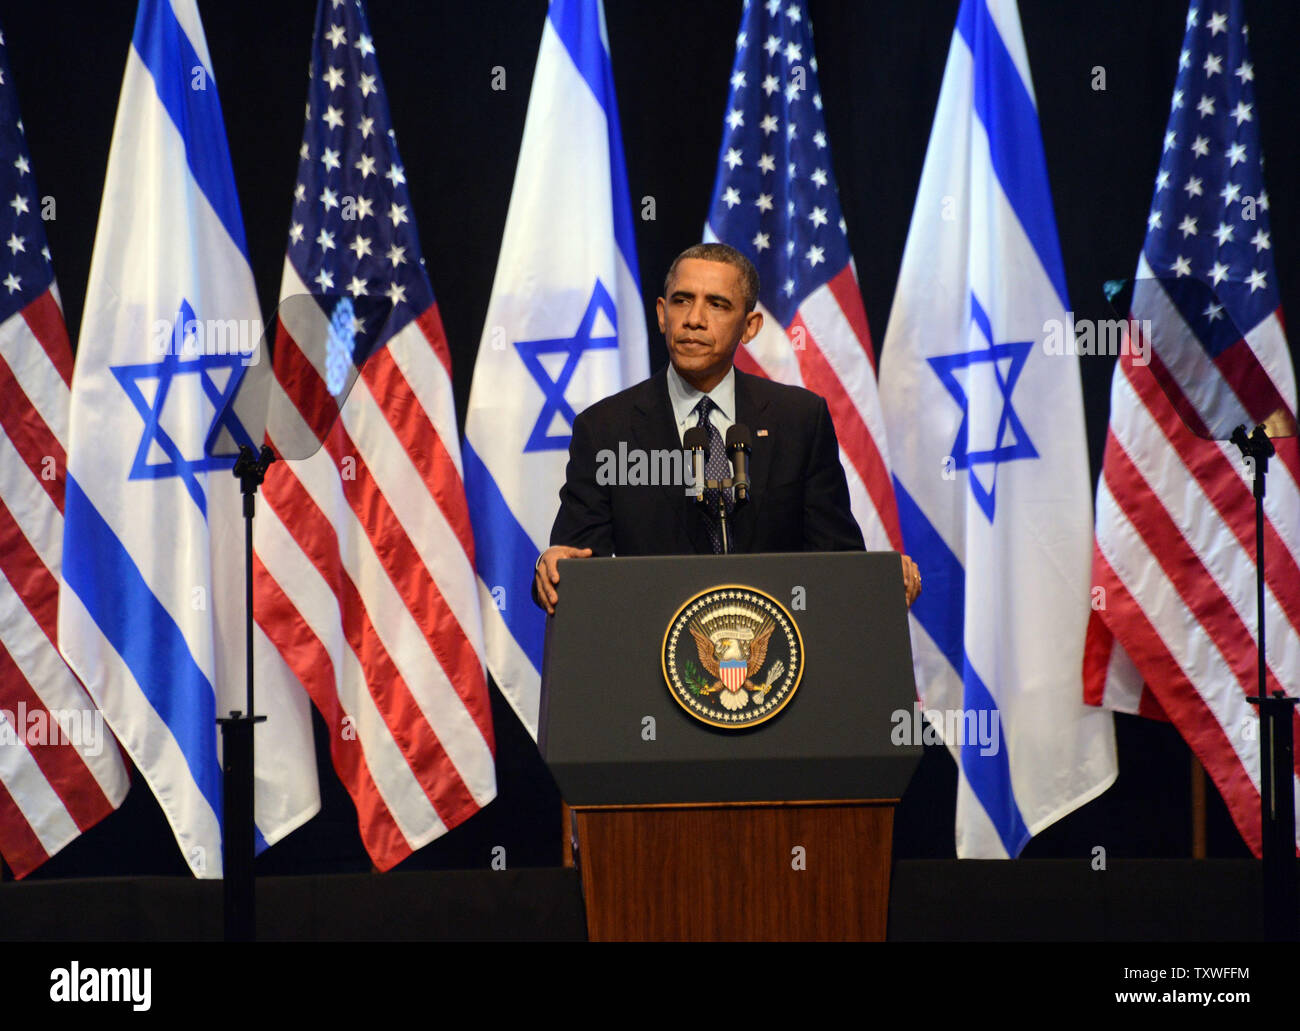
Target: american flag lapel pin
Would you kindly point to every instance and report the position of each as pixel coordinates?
(762, 433)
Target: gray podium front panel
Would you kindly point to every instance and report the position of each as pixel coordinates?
(603, 677)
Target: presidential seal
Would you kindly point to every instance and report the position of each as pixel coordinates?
(732, 656)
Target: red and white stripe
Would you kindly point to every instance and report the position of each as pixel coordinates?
(49, 792)
(1173, 630)
(827, 349)
(365, 585)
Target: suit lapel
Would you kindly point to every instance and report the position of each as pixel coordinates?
(750, 412)
(654, 428)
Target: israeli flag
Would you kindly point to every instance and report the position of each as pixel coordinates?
(565, 327)
(151, 613)
(984, 416)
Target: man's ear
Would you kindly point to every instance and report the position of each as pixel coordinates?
(659, 307)
(753, 323)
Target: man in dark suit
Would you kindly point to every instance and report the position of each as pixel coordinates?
(799, 499)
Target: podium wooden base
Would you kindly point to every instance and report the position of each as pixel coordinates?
(740, 871)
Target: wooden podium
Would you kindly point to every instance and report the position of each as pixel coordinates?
(686, 832)
(740, 871)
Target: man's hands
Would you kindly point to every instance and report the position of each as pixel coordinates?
(911, 580)
(547, 574)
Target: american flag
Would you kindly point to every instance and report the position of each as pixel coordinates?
(60, 768)
(775, 200)
(1173, 629)
(365, 558)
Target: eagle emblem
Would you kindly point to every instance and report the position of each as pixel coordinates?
(725, 679)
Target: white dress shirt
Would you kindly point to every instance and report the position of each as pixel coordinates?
(685, 397)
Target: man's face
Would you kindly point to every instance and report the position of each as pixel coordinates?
(703, 320)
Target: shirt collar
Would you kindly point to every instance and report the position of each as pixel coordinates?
(685, 397)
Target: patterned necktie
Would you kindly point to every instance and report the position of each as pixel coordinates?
(716, 467)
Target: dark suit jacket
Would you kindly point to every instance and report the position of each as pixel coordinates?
(799, 500)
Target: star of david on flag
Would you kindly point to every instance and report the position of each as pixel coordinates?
(1009, 440)
(217, 390)
(601, 317)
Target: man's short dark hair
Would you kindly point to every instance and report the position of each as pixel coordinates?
(728, 256)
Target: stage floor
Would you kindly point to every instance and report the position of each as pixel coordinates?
(930, 900)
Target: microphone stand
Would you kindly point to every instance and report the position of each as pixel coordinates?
(1276, 786)
(738, 447)
(238, 826)
(703, 487)
(722, 513)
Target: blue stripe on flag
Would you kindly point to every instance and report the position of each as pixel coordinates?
(939, 609)
(990, 775)
(981, 319)
(142, 631)
(577, 23)
(509, 561)
(166, 51)
(1010, 121)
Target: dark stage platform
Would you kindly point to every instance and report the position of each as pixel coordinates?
(931, 900)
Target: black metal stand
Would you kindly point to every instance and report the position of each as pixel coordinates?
(1276, 786)
(238, 826)
(724, 526)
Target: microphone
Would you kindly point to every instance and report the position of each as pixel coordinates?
(696, 440)
(740, 443)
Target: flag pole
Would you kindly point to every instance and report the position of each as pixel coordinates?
(1276, 783)
(237, 737)
(1197, 772)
